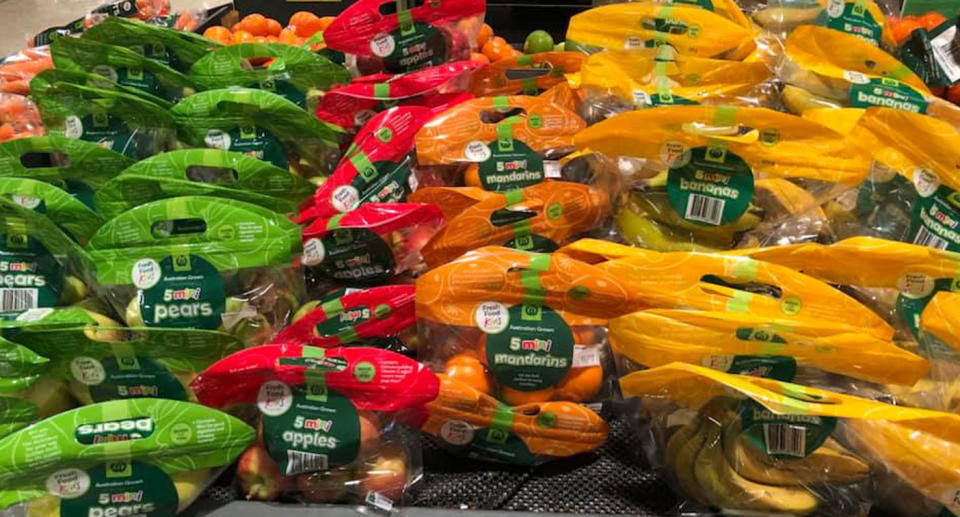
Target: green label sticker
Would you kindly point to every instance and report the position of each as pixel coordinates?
(181, 291)
(126, 378)
(117, 489)
(104, 129)
(780, 368)
(533, 351)
(935, 220)
(252, 141)
(642, 99)
(853, 18)
(784, 436)
(408, 49)
(532, 242)
(508, 447)
(888, 93)
(713, 188)
(305, 434)
(509, 167)
(344, 321)
(30, 275)
(351, 255)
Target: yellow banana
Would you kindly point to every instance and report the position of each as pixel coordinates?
(798, 100)
(680, 460)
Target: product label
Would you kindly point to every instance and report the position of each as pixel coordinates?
(770, 367)
(283, 88)
(502, 446)
(181, 291)
(352, 255)
(642, 99)
(104, 129)
(319, 429)
(532, 242)
(915, 292)
(30, 276)
(534, 350)
(120, 489)
(510, 165)
(347, 320)
(407, 49)
(131, 77)
(853, 18)
(126, 377)
(378, 182)
(784, 436)
(936, 214)
(250, 140)
(713, 188)
(888, 93)
(114, 431)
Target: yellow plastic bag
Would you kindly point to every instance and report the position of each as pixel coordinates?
(860, 18)
(688, 29)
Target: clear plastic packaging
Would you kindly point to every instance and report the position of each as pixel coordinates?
(526, 74)
(17, 70)
(521, 327)
(200, 262)
(174, 48)
(397, 36)
(326, 419)
(864, 19)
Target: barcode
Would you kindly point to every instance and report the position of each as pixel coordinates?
(300, 462)
(585, 356)
(927, 238)
(379, 501)
(704, 209)
(785, 439)
(945, 48)
(18, 299)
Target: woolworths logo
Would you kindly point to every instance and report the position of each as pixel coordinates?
(115, 431)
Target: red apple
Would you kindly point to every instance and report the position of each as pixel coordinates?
(259, 475)
(369, 433)
(387, 474)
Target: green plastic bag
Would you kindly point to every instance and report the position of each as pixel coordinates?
(51, 76)
(259, 124)
(121, 65)
(65, 210)
(124, 457)
(77, 166)
(200, 262)
(124, 123)
(15, 414)
(298, 75)
(206, 172)
(177, 49)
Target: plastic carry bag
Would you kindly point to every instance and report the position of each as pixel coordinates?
(537, 218)
(397, 36)
(711, 176)
(864, 19)
(200, 262)
(368, 246)
(326, 420)
(530, 326)
(526, 74)
(260, 124)
(294, 73)
(138, 9)
(499, 143)
(70, 214)
(175, 48)
(203, 172)
(146, 455)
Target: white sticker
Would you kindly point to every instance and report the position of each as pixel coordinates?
(674, 154)
(552, 169)
(107, 71)
(72, 127)
(681, 417)
(717, 362)
(274, 398)
(217, 139)
(477, 151)
(855, 77)
(492, 317)
(914, 284)
(880, 173)
(145, 273)
(313, 252)
(596, 407)
(925, 181)
(345, 198)
(641, 99)
(379, 501)
(944, 53)
(26, 201)
(414, 182)
(456, 432)
(382, 45)
(68, 483)
(584, 356)
(835, 8)
(634, 43)
(361, 117)
(35, 314)
(87, 371)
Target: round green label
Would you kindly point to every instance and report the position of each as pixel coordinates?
(714, 187)
(126, 378)
(181, 291)
(308, 430)
(534, 351)
(351, 255)
(250, 140)
(116, 489)
(30, 276)
(410, 48)
(510, 166)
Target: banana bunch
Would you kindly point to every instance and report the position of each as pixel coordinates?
(714, 464)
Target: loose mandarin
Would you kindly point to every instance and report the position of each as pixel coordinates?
(288, 37)
(486, 32)
(305, 23)
(273, 27)
(470, 371)
(242, 36)
(518, 398)
(255, 24)
(479, 58)
(325, 22)
(218, 33)
(581, 384)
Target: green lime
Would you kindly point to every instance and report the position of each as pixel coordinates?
(538, 41)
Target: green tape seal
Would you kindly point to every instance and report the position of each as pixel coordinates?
(512, 197)
(529, 85)
(381, 91)
(525, 60)
(500, 426)
(347, 336)
(500, 102)
(505, 137)
(334, 222)
(331, 308)
(540, 262)
(745, 269)
(739, 302)
(364, 166)
(404, 19)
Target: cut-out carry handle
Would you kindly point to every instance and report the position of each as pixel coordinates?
(222, 176)
(167, 228)
(44, 160)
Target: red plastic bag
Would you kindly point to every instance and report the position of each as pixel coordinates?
(398, 36)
